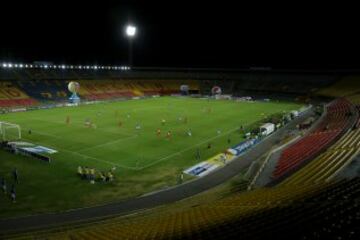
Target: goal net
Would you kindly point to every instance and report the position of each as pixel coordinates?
(9, 131)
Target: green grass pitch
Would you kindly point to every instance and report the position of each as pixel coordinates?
(144, 161)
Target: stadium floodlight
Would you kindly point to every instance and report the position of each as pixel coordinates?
(10, 65)
(130, 31)
(21, 65)
(63, 66)
(4, 65)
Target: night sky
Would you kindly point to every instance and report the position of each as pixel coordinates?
(229, 34)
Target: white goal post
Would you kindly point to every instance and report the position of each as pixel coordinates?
(9, 131)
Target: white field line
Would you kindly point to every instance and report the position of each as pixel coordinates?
(187, 149)
(107, 143)
(78, 122)
(83, 155)
(45, 134)
(98, 160)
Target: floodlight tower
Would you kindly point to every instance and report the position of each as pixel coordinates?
(130, 31)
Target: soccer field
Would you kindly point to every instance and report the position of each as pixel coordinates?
(144, 161)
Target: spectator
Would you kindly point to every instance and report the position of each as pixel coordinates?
(13, 194)
(15, 176)
(3, 185)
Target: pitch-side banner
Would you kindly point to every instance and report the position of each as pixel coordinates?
(206, 167)
(243, 146)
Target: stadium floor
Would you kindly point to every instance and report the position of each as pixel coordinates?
(159, 198)
(144, 161)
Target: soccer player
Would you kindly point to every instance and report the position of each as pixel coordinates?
(120, 124)
(218, 131)
(30, 132)
(87, 122)
(80, 171)
(67, 120)
(163, 121)
(92, 175)
(189, 133)
(158, 132)
(185, 120)
(168, 134)
(181, 178)
(209, 145)
(197, 154)
(102, 176)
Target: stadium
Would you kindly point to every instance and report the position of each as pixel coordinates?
(91, 151)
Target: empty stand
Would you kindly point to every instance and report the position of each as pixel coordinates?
(11, 96)
(336, 121)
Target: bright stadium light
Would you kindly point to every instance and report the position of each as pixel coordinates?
(131, 31)
(10, 65)
(4, 65)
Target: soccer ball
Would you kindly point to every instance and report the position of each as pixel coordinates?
(73, 87)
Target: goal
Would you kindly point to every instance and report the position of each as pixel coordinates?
(9, 131)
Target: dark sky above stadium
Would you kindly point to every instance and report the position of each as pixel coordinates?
(230, 34)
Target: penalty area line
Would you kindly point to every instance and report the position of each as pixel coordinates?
(86, 156)
(99, 160)
(107, 143)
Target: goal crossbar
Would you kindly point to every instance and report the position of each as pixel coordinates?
(4, 130)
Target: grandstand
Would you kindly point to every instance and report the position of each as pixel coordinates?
(12, 96)
(307, 188)
(335, 122)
